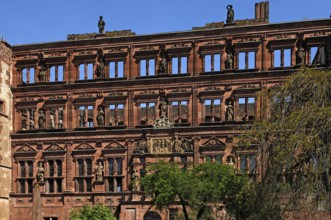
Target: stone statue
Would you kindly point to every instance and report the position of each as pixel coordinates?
(176, 143)
(40, 173)
(229, 60)
(101, 117)
(229, 112)
(52, 120)
(42, 73)
(135, 181)
(101, 25)
(301, 55)
(41, 119)
(230, 14)
(100, 71)
(82, 118)
(163, 63)
(142, 145)
(99, 171)
(231, 162)
(60, 122)
(186, 146)
(163, 107)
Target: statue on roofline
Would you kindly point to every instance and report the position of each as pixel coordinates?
(101, 25)
(230, 14)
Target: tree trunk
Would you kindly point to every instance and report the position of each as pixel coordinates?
(200, 213)
(182, 202)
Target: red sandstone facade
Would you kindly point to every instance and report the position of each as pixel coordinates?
(130, 101)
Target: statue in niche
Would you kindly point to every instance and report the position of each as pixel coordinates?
(100, 71)
(101, 117)
(230, 14)
(52, 119)
(176, 143)
(163, 63)
(82, 118)
(135, 181)
(229, 112)
(24, 118)
(99, 171)
(163, 107)
(142, 145)
(186, 146)
(230, 162)
(42, 73)
(40, 173)
(60, 123)
(41, 119)
(101, 25)
(229, 60)
(301, 55)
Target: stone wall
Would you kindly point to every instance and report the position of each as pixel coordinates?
(5, 128)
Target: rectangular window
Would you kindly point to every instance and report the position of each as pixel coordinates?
(51, 185)
(212, 110)
(252, 164)
(59, 167)
(212, 62)
(22, 168)
(51, 167)
(28, 75)
(209, 158)
(119, 184)
(111, 184)
(110, 166)
(179, 112)
(88, 167)
(147, 113)
(59, 185)
(317, 55)
(22, 186)
(86, 71)
(282, 58)
(85, 116)
(119, 162)
(116, 69)
(30, 185)
(116, 114)
(218, 159)
(246, 60)
(80, 183)
(243, 163)
(147, 67)
(88, 185)
(80, 167)
(246, 108)
(179, 65)
(56, 73)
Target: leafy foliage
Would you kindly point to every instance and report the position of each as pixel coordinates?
(197, 189)
(97, 212)
(294, 143)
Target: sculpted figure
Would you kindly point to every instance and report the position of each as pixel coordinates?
(42, 73)
(100, 71)
(230, 14)
(41, 119)
(40, 173)
(301, 55)
(52, 120)
(99, 171)
(163, 107)
(101, 117)
(229, 60)
(163, 63)
(101, 25)
(229, 112)
(231, 162)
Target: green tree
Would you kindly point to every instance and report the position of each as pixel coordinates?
(294, 147)
(196, 190)
(97, 212)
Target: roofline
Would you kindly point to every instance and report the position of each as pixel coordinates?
(177, 32)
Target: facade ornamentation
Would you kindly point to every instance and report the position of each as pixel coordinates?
(99, 172)
(40, 172)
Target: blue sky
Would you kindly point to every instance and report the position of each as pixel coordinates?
(35, 21)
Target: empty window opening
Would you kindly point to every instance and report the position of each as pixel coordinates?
(147, 67)
(116, 69)
(85, 71)
(212, 62)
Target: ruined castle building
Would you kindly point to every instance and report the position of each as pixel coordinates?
(5, 127)
(89, 114)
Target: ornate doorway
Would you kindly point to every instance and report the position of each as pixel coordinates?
(152, 216)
